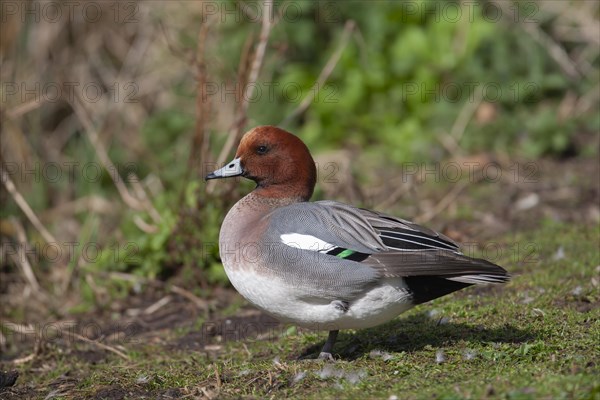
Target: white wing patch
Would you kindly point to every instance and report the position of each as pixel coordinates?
(306, 242)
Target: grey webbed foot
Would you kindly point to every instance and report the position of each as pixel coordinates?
(328, 346)
(325, 357)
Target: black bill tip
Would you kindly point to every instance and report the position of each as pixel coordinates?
(210, 176)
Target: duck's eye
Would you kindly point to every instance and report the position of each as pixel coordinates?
(262, 149)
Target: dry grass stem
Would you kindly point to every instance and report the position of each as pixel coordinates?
(466, 114)
(217, 376)
(144, 226)
(142, 194)
(588, 101)
(128, 277)
(197, 301)
(21, 259)
(101, 345)
(102, 154)
(87, 204)
(448, 199)
(451, 141)
(24, 360)
(24, 108)
(324, 75)
(24, 206)
(257, 62)
(158, 305)
(392, 198)
(99, 292)
(554, 49)
(24, 330)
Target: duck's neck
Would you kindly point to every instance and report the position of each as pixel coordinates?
(283, 194)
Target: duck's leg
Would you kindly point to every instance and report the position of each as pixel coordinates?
(328, 346)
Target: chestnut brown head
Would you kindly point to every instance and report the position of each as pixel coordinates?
(276, 160)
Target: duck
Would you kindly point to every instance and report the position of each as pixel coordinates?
(326, 265)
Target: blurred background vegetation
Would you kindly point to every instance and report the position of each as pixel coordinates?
(131, 104)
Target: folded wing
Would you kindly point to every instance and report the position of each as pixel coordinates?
(430, 263)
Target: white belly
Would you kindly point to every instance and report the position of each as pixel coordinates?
(376, 306)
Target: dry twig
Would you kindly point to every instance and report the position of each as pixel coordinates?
(200, 139)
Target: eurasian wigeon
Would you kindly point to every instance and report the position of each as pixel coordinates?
(328, 265)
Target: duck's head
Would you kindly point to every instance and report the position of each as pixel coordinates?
(276, 160)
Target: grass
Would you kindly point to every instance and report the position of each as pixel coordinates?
(536, 337)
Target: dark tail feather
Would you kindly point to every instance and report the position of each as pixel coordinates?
(426, 288)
